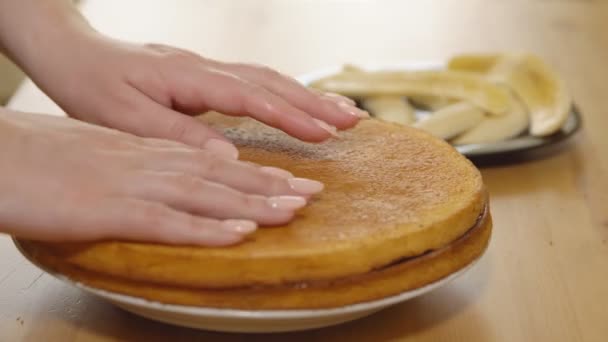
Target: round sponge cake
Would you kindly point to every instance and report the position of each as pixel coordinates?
(395, 197)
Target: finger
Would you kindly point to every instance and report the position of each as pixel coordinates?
(215, 147)
(339, 98)
(190, 131)
(335, 110)
(242, 176)
(202, 197)
(139, 220)
(153, 120)
(226, 93)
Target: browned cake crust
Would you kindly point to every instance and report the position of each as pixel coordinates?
(404, 275)
(392, 192)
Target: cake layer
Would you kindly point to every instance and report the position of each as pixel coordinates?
(392, 192)
(407, 274)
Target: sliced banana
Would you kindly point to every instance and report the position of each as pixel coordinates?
(351, 68)
(497, 128)
(542, 91)
(453, 84)
(390, 108)
(452, 120)
(431, 103)
(481, 63)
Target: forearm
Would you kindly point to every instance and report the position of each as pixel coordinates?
(3, 112)
(31, 30)
(7, 129)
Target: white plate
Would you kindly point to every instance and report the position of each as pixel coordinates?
(249, 321)
(520, 147)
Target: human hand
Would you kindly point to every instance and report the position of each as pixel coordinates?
(64, 180)
(146, 89)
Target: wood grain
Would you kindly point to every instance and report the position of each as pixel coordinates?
(544, 276)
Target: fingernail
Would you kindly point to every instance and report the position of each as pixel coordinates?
(275, 171)
(329, 128)
(305, 186)
(286, 202)
(222, 149)
(340, 98)
(352, 110)
(240, 226)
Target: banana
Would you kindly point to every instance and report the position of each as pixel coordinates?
(463, 86)
(542, 91)
(497, 128)
(432, 103)
(452, 120)
(395, 109)
(481, 63)
(390, 108)
(351, 68)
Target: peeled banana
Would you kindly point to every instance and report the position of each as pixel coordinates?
(431, 102)
(453, 84)
(497, 128)
(386, 107)
(540, 88)
(480, 98)
(452, 120)
(481, 63)
(390, 108)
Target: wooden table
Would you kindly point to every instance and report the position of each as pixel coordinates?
(545, 275)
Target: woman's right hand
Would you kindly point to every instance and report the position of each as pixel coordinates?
(65, 180)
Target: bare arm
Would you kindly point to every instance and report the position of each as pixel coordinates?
(30, 28)
(62, 179)
(147, 89)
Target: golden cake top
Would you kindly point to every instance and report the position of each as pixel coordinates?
(391, 192)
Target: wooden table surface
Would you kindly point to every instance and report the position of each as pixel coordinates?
(545, 275)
